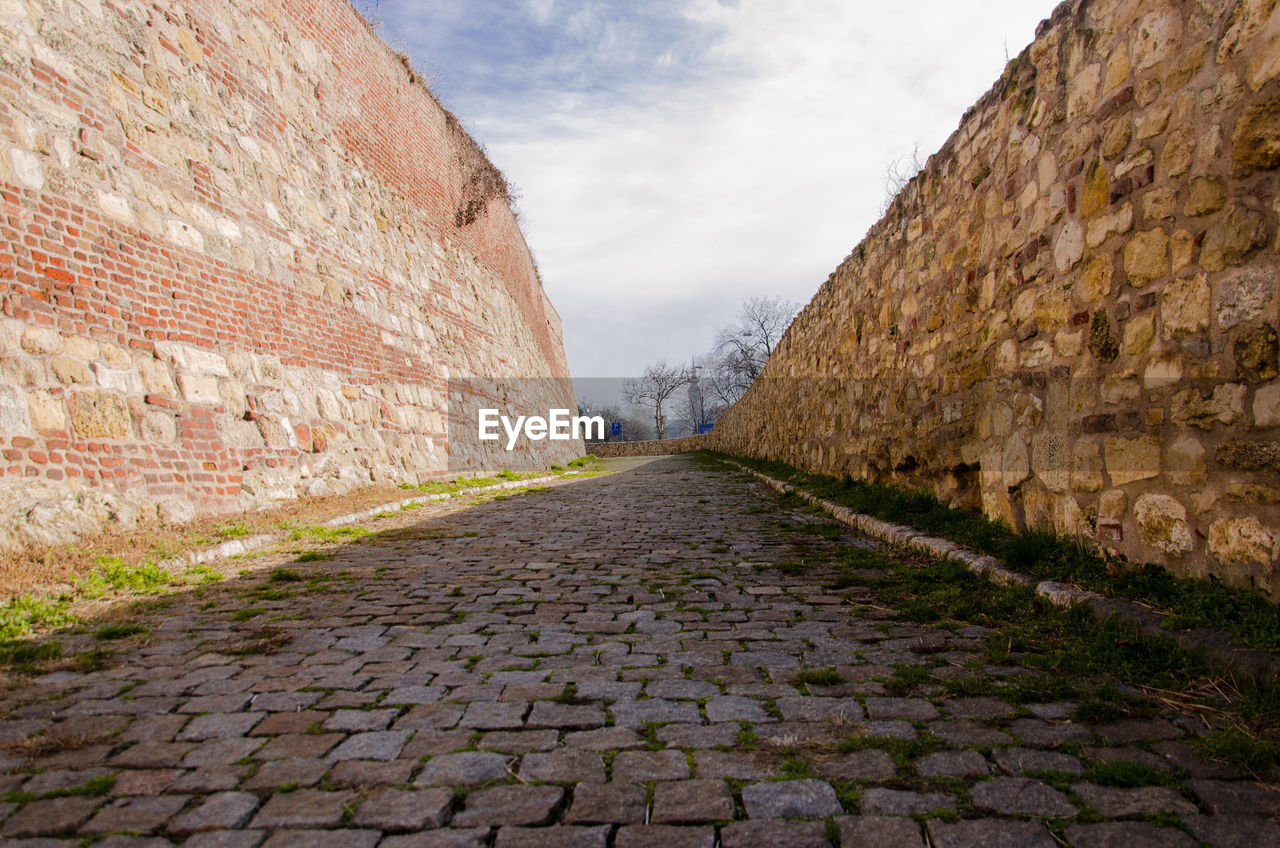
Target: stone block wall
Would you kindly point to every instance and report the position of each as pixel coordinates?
(1069, 318)
(244, 252)
(665, 447)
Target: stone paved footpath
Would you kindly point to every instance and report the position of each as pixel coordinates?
(610, 662)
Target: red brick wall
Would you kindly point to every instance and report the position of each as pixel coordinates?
(260, 181)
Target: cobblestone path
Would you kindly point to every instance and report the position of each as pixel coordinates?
(610, 662)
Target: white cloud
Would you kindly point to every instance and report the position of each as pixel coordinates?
(654, 208)
(541, 10)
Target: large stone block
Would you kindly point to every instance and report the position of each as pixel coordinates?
(1146, 257)
(1242, 541)
(100, 415)
(1184, 307)
(1130, 460)
(1233, 237)
(14, 418)
(1255, 141)
(1162, 524)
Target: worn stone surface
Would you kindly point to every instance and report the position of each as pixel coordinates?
(1021, 796)
(989, 833)
(614, 803)
(509, 805)
(1127, 835)
(779, 834)
(425, 603)
(875, 831)
(401, 811)
(791, 799)
(692, 802)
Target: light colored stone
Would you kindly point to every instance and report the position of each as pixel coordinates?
(46, 412)
(81, 348)
(1146, 257)
(100, 415)
(25, 166)
(1159, 203)
(1266, 406)
(127, 382)
(199, 389)
(1130, 460)
(1243, 294)
(1242, 541)
(1139, 334)
(41, 341)
(1184, 307)
(159, 427)
(1069, 247)
(1157, 36)
(1233, 236)
(1051, 461)
(195, 360)
(1095, 280)
(1086, 467)
(1113, 504)
(1162, 524)
(156, 378)
(1185, 461)
(1115, 223)
(14, 417)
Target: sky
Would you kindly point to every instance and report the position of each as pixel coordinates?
(673, 158)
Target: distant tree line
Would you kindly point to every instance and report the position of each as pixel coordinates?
(683, 400)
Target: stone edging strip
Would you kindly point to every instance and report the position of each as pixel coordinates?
(1215, 647)
(353, 517)
(236, 547)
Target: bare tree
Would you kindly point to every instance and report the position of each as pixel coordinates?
(742, 348)
(898, 173)
(634, 428)
(658, 383)
(702, 406)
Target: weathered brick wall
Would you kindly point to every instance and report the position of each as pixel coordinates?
(665, 447)
(1070, 316)
(243, 254)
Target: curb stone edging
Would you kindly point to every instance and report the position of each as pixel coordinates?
(1217, 648)
(251, 544)
(352, 517)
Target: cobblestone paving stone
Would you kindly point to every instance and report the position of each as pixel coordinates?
(610, 662)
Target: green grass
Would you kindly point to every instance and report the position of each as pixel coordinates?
(200, 574)
(818, 677)
(1127, 774)
(1250, 618)
(903, 751)
(325, 535)
(312, 556)
(247, 613)
(25, 655)
(19, 616)
(97, 786)
(281, 574)
(1239, 748)
(110, 632)
(906, 677)
(112, 574)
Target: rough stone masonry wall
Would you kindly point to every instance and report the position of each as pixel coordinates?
(665, 447)
(243, 254)
(1069, 317)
